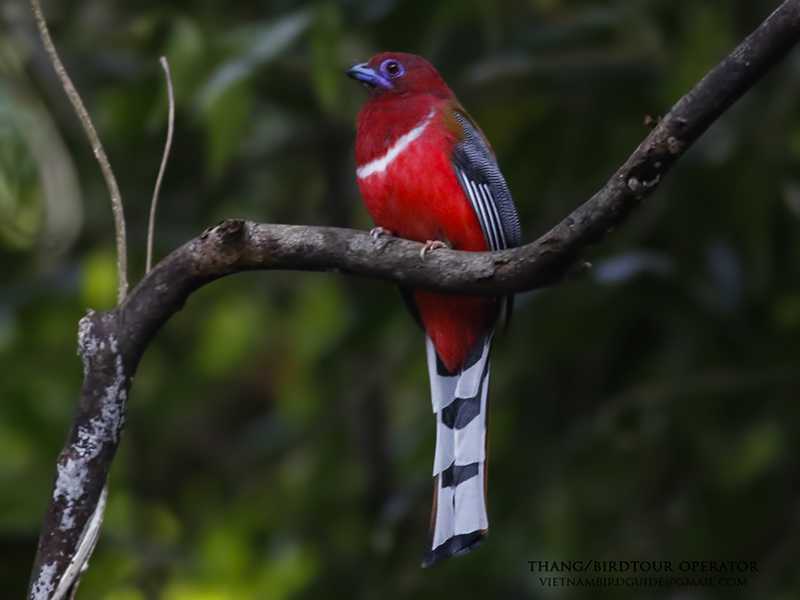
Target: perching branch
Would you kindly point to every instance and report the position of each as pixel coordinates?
(97, 148)
(112, 343)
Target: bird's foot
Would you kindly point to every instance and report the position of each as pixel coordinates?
(430, 245)
(377, 232)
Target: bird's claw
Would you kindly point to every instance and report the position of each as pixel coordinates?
(377, 232)
(430, 245)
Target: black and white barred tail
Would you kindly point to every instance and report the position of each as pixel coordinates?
(459, 519)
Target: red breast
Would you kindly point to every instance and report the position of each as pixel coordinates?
(404, 149)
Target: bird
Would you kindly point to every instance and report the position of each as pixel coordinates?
(427, 173)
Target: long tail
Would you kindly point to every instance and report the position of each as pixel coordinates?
(460, 401)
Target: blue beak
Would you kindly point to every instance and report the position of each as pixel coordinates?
(367, 76)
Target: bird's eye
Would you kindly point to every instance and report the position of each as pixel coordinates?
(392, 68)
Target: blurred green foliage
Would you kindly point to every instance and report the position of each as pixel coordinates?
(279, 438)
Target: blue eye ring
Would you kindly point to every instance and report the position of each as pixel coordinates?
(392, 68)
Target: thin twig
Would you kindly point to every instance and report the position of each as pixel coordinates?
(97, 147)
(170, 126)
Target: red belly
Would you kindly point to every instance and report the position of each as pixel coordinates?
(418, 197)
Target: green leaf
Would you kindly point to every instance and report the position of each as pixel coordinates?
(227, 337)
(288, 574)
(325, 35)
(258, 44)
(99, 279)
(40, 200)
(185, 55)
(225, 119)
(757, 451)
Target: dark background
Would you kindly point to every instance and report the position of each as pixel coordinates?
(280, 439)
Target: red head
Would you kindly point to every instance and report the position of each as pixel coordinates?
(397, 73)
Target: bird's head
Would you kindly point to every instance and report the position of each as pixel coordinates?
(399, 73)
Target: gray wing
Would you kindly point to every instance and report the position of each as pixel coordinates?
(484, 185)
